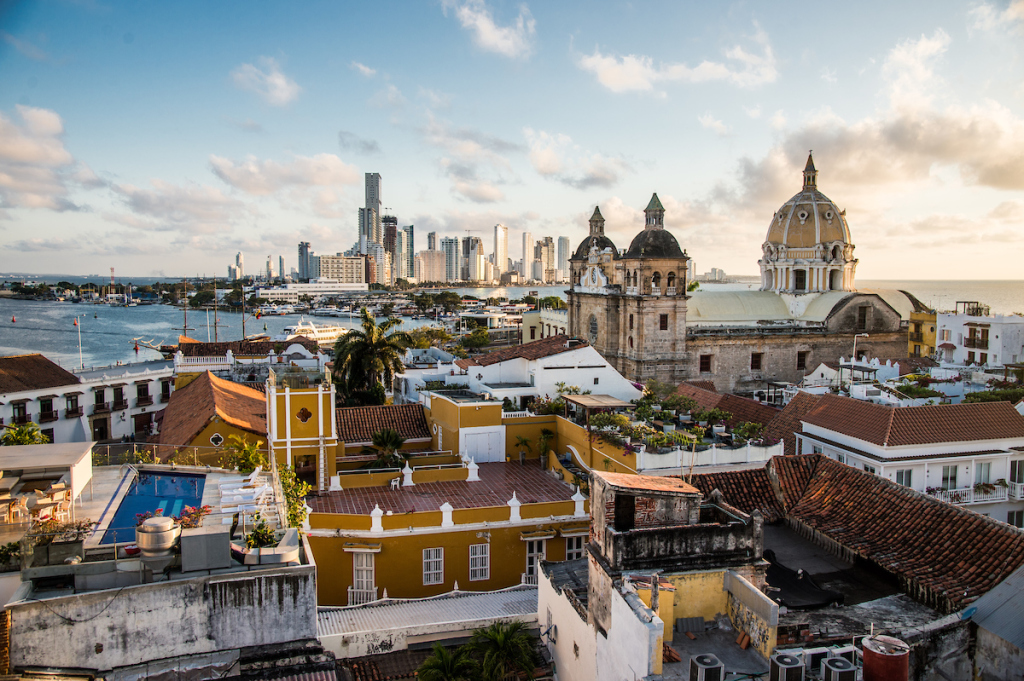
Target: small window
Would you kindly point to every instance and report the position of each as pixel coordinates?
(949, 477)
(817, 449)
(905, 477)
(801, 360)
(841, 458)
(1017, 471)
(869, 469)
(433, 566)
(533, 333)
(142, 390)
(663, 322)
(983, 472)
(573, 548)
(755, 360)
(630, 322)
(47, 433)
(596, 380)
(535, 553)
(479, 562)
(1015, 518)
(705, 364)
(71, 403)
(862, 317)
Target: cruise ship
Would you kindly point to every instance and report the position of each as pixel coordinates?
(323, 334)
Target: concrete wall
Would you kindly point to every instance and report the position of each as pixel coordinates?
(633, 647)
(752, 612)
(996, 659)
(574, 650)
(103, 630)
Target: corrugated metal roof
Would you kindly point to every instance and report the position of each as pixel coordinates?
(460, 606)
(1001, 610)
(310, 676)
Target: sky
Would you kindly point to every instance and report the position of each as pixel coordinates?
(161, 138)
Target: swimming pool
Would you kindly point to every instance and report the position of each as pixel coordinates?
(154, 491)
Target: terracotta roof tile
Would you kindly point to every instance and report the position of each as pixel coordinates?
(703, 385)
(32, 372)
(790, 420)
(944, 555)
(894, 427)
(749, 491)
(743, 409)
(242, 347)
(191, 408)
(654, 483)
(546, 347)
(358, 424)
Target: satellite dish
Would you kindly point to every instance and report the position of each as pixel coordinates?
(968, 613)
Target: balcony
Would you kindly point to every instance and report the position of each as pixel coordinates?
(21, 419)
(72, 412)
(968, 495)
(47, 416)
(977, 343)
(101, 408)
(165, 398)
(361, 596)
(120, 405)
(143, 400)
(632, 290)
(1016, 490)
(917, 337)
(528, 579)
(670, 291)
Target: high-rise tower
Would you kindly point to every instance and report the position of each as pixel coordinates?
(500, 248)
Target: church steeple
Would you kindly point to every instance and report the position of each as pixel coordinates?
(654, 214)
(597, 223)
(810, 173)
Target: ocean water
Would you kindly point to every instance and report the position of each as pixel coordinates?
(108, 332)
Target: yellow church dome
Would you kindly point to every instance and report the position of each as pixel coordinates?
(809, 218)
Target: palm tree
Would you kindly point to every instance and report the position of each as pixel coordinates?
(546, 435)
(24, 434)
(507, 650)
(446, 665)
(367, 359)
(524, 445)
(387, 443)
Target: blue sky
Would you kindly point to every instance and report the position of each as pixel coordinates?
(161, 138)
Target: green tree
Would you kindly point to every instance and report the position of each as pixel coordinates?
(448, 665)
(546, 436)
(24, 434)
(368, 358)
(507, 650)
(427, 336)
(387, 444)
(201, 298)
(424, 301)
(692, 286)
(552, 303)
(449, 300)
(295, 491)
(246, 456)
(478, 339)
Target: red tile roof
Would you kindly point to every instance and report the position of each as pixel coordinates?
(790, 420)
(497, 483)
(546, 347)
(653, 483)
(32, 372)
(944, 555)
(258, 348)
(894, 427)
(191, 408)
(358, 424)
(743, 409)
(703, 385)
(747, 490)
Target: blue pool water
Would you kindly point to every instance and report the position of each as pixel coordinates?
(153, 491)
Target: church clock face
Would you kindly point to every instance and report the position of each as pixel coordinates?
(592, 332)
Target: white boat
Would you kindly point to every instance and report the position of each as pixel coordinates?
(323, 334)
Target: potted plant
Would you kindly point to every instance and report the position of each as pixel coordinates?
(54, 541)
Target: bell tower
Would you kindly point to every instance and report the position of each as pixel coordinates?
(300, 421)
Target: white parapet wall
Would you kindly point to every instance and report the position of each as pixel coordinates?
(671, 462)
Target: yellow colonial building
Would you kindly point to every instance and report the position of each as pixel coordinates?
(921, 336)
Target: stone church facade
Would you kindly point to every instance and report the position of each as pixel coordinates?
(633, 307)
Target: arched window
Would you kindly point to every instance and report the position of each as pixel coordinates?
(670, 280)
(800, 280)
(630, 342)
(656, 280)
(836, 252)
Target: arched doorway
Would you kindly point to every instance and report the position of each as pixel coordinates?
(835, 280)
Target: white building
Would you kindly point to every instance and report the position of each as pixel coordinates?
(971, 336)
(290, 293)
(430, 266)
(966, 454)
(452, 258)
(500, 247)
(539, 324)
(344, 269)
(564, 252)
(103, 404)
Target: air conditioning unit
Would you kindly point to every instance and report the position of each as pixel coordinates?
(838, 669)
(785, 667)
(813, 657)
(706, 667)
(847, 652)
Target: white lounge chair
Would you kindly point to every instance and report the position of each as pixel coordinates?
(258, 493)
(242, 481)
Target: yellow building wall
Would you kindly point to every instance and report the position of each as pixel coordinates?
(183, 379)
(530, 428)
(305, 435)
(698, 594)
(666, 608)
(399, 564)
(594, 454)
(926, 322)
(214, 456)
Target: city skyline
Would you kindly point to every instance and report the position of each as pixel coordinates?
(147, 137)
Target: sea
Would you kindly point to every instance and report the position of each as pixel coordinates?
(109, 334)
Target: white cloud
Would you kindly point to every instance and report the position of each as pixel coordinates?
(326, 173)
(270, 83)
(36, 170)
(910, 72)
(988, 17)
(364, 69)
(390, 96)
(753, 111)
(555, 156)
(514, 40)
(778, 120)
(349, 141)
(639, 73)
(436, 100)
(192, 208)
(829, 75)
(474, 161)
(712, 123)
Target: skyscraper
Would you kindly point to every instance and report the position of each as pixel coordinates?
(399, 259)
(270, 268)
(410, 252)
(471, 247)
(564, 251)
(280, 267)
(452, 259)
(500, 247)
(370, 217)
(432, 241)
(545, 253)
(527, 252)
(240, 265)
(303, 268)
